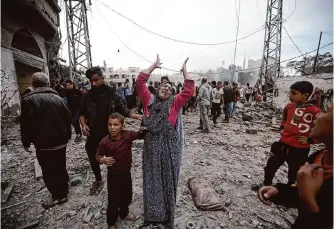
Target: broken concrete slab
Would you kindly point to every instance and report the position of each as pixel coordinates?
(38, 170)
(6, 189)
(88, 215)
(230, 215)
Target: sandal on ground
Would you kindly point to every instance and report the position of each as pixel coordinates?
(96, 187)
(49, 204)
(131, 217)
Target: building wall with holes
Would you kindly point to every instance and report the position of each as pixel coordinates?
(14, 82)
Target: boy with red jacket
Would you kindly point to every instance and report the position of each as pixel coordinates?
(313, 195)
(294, 144)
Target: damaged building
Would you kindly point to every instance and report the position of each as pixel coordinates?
(28, 28)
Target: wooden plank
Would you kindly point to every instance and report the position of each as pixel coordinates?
(38, 170)
(10, 206)
(30, 225)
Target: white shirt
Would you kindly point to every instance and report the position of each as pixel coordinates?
(217, 95)
(249, 90)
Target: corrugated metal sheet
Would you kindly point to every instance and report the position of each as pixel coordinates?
(28, 59)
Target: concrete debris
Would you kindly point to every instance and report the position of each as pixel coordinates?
(88, 226)
(251, 131)
(88, 215)
(255, 222)
(247, 117)
(98, 215)
(76, 181)
(228, 202)
(230, 215)
(71, 213)
(243, 223)
(38, 170)
(30, 225)
(222, 225)
(6, 189)
(229, 158)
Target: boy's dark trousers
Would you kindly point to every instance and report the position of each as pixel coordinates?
(216, 111)
(91, 147)
(55, 176)
(119, 196)
(76, 124)
(280, 153)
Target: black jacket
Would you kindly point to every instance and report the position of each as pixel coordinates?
(288, 196)
(97, 105)
(73, 100)
(228, 94)
(45, 119)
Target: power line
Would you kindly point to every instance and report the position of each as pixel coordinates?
(237, 32)
(246, 70)
(127, 45)
(291, 39)
(292, 11)
(176, 40)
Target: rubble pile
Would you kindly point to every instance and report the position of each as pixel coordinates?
(231, 158)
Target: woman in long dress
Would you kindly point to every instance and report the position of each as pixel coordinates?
(163, 146)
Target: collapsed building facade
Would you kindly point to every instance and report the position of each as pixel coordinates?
(28, 29)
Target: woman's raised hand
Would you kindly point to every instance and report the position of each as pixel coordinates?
(184, 69)
(157, 63)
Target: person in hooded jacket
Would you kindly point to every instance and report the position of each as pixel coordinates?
(46, 123)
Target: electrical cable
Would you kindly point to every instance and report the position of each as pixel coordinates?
(237, 32)
(292, 11)
(126, 44)
(291, 39)
(176, 40)
(245, 70)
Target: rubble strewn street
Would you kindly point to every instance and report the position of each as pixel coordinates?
(231, 158)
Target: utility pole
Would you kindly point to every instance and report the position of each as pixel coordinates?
(316, 57)
(270, 67)
(78, 37)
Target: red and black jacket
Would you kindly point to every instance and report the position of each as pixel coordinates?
(297, 121)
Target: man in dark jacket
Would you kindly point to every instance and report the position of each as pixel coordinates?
(313, 193)
(46, 123)
(96, 106)
(228, 101)
(73, 96)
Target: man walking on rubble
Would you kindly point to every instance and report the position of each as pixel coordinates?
(97, 105)
(46, 123)
(217, 101)
(203, 99)
(73, 96)
(228, 101)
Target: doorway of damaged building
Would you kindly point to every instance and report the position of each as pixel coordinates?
(27, 56)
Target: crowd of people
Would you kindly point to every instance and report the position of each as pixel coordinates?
(47, 115)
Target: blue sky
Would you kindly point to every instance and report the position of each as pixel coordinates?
(203, 21)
